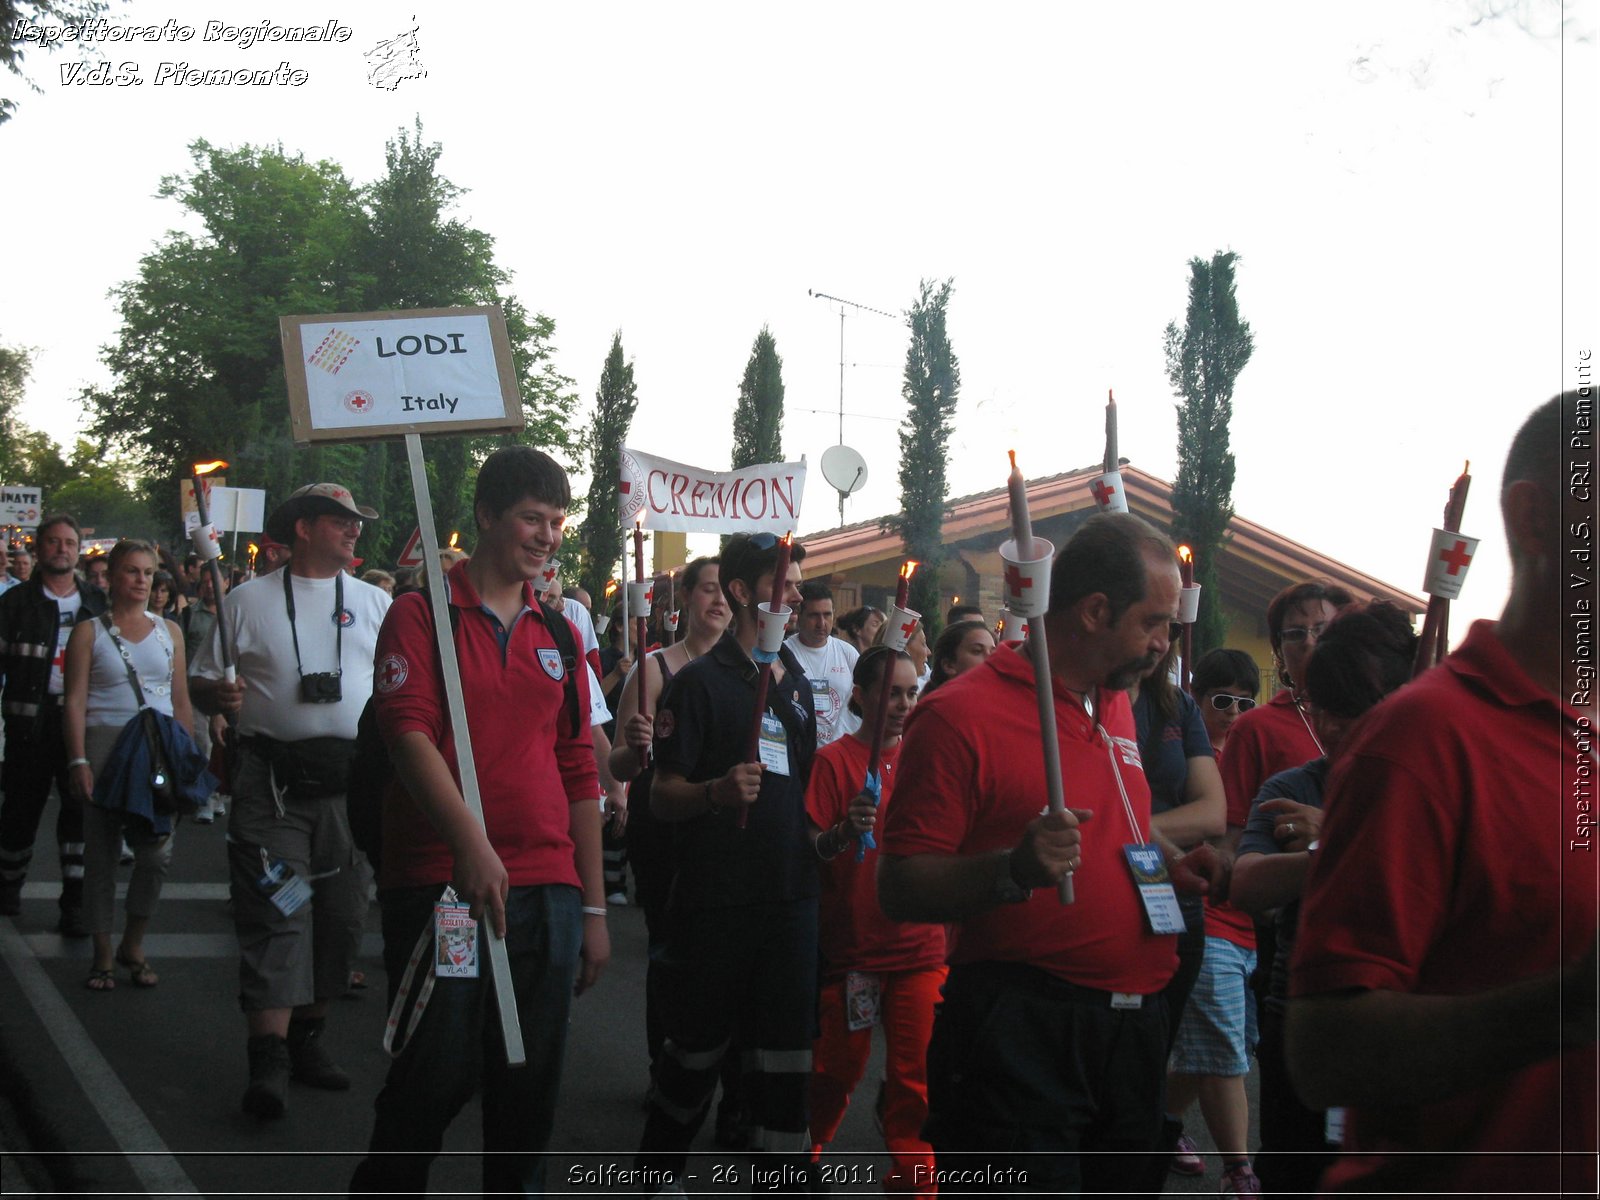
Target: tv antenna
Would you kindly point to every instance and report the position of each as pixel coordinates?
(849, 467)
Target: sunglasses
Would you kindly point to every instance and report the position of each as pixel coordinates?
(1222, 702)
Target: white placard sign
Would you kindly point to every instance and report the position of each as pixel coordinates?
(21, 504)
(232, 510)
(672, 496)
(362, 376)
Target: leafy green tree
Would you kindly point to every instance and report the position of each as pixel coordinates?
(614, 404)
(197, 365)
(931, 387)
(1204, 360)
(15, 366)
(98, 492)
(758, 416)
(40, 13)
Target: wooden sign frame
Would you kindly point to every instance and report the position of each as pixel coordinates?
(305, 433)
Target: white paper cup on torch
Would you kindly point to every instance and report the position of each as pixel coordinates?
(552, 569)
(1448, 558)
(902, 627)
(1012, 628)
(640, 593)
(1027, 577)
(601, 624)
(206, 542)
(1189, 604)
(1108, 492)
(770, 627)
(672, 621)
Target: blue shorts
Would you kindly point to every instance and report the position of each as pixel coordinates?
(1218, 1030)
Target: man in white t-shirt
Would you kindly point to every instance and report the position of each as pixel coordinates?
(303, 640)
(36, 618)
(829, 662)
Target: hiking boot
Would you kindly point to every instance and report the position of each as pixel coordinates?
(1240, 1180)
(309, 1060)
(268, 1093)
(1184, 1159)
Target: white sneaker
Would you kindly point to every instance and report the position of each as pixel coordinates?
(218, 807)
(125, 855)
(203, 814)
(619, 899)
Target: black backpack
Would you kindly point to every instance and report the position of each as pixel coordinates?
(372, 767)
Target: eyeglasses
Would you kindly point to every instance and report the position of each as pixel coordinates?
(354, 524)
(1223, 701)
(1295, 634)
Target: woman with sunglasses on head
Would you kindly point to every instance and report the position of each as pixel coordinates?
(1224, 684)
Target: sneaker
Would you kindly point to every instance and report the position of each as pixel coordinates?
(219, 806)
(203, 815)
(125, 855)
(618, 899)
(268, 1093)
(1240, 1180)
(1184, 1159)
(72, 923)
(309, 1060)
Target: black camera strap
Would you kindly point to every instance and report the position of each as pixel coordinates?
(338, 621)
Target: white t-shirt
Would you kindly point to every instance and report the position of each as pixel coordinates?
(599, 714)
(830, 668)
(579, 616)
(67, 606)
(257, 618)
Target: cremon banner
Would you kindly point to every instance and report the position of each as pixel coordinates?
(668, 495)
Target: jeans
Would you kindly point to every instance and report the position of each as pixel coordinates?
(457, 1046)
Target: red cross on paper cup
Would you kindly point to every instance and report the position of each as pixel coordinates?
(206, 542)
(1011, 628)
(901, 627)
(1448, 559)
(640, 592)
(672, 621)
(547, 576)
(1108, 494)
(1027, 578)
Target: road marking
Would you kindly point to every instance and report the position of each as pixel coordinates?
(147, 1155)
(49, 890)
(167, 945)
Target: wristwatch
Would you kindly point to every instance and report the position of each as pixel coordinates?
(1006, 889)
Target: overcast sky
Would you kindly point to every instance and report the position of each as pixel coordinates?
(1391, 175)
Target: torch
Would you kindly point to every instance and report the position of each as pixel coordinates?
(777, 611)
(1188, 607)
(880, 718)
(1038, 651)
(1448, 556)
(643, 614)
(209, 548)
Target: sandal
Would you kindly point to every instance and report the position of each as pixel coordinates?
(100, 981)
(140, 973)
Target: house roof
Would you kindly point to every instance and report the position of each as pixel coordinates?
(1256, 562)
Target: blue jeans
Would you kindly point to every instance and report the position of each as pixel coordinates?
(457, 1046)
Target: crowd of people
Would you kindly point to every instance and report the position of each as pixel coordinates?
(1359, 883)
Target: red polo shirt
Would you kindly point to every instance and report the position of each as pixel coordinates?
(1451, 863)
(853, 933)
(1269, 738)
(973, 770)
(530, 765)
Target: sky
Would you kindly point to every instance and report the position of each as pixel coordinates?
(1400, 182)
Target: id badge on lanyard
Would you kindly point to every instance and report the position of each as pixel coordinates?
(1145, 861)
(774, 746)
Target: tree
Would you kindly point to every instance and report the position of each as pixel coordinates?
(15, 365)
(53, 14)
(614, 404)
(1204, 360)
(197, 365)
(758, 416)
(931, 386)
(97, 492)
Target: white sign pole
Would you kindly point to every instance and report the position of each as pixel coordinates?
(623, 576)
(500, 963)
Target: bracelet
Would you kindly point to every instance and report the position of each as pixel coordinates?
(590, 911)
(77, 762)
(838, 842)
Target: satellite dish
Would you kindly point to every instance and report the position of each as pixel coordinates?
(844, 469)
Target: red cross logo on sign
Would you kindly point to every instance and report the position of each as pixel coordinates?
(1015, 580)
(1455, 558)
(625, 487)
(1102, 493)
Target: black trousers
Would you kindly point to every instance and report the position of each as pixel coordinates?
(1294, 1147)
(32, 764)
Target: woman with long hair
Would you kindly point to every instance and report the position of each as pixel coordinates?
(99, 701)
(959, 648)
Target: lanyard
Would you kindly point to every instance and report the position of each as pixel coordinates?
(1301, 713)
(1116, 773)
(338, 624)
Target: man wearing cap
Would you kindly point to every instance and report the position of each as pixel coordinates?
(1051, 1040)
(303, 641)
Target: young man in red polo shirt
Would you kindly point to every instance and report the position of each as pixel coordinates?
(1052, 1036)
(531, 873)
(1443, 982)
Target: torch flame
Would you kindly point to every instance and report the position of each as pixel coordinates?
(611, 588)
(1186, 554)
(1012, 454)
(909, 569)
(253, 548)
(455, 536)
(207, 468)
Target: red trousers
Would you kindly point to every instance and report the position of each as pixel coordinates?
(839, 1059)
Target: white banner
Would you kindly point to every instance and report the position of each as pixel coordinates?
(671, 496)
(21, 504)
(367, 375)
(232, 510)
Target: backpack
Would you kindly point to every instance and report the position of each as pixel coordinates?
(372, 767)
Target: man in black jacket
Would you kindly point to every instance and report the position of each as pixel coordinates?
(35, 619)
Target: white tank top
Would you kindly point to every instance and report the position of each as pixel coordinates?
(111, 700)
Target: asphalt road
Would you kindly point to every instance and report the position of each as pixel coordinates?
(137, 1091)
